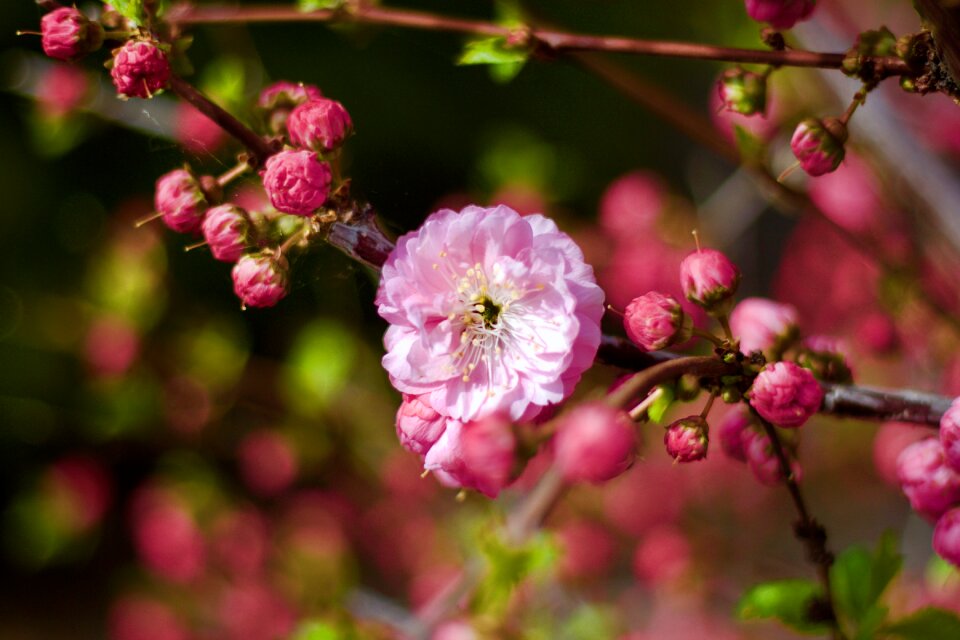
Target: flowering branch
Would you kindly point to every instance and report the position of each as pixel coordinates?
(546, 40)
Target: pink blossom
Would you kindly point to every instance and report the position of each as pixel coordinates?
(321, 124)
(931, 485)
(818, 145)
(142, 618)
(277, 101)
(226, 229)
(763, 325)
(594, 443)
(686, 439)
(268, 462)
(708, 278)
(111, 346)
(67, 34)
(781, 14)
(195, 131)
(166, 536)
(946, 537)
(140, 69)
(489, 313)
(61, 89)
(631, 205)
(786, 394)
(850, 196)
(418, 425)
(296, 182)
(180, 200)
(762, 460)
(655, 321)
(260, 279)
(950, 434)
(730, 434)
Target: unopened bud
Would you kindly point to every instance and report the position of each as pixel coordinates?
(67, 34)
(709, 279)
(655, 321)
(686, 439)
(743, 91)
(261, 279)
(140, 69)
(818, 145)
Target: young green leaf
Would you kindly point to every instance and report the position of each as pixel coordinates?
(506, 61)
(926, 624)
(307, 6)
(662, 403)
(859, 577)
(788, 601)
(129, 9)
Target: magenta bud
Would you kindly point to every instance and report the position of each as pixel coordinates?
(180, 200)
(140, 69)
(730, 434)
(782, 14)
(818, 145)
(67, 34)
(931, 485)
(763, 461)
(946, 537)
(227, 231)
(261, 279)
(418, 425)
(743, 91)
(950, 434)
(321, 125)
(296, 182)
(763, 325)
(655, 321)
(279, 99)
(709, 279)
(686, 439)
(488, 448)
(594, 443)
(786, 394)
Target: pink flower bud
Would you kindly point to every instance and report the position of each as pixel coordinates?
(260, 279)
(950, 434)
(418, 425)
(166, 535)
(730, 433)
(743, 91)
(61, 89)
(631, 205)
(296, 182)
(140, 69)
(279, 99)
(67, 34)
(594, 443)
(762, 460)
(489, 454)
(946, 537)
(321, 125)
(763, 325)
(818, 145)
(655, 321)
(709, 279)
(180, 199)
(781, 14)
(786, 394)
(686, 439)
(931, 485)
(227, 231)
(268, 462)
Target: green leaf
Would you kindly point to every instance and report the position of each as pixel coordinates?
(660, 406)
(926, 624)
(506, 61)
(787, 600)
(858, 577)
(130, 9)
(508, 565)
(752, 148)
(318, 5)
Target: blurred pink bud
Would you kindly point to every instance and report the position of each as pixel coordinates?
(296, 182)
(240, 542)
(140, 618)
(261, 279)
(418, 425)
(268, 462)
(850, 196)
(594, 443)
(279, 99)
(655, 321)
(762, 460)
(140, 69)
(82, 490)
(67, 34)
(631, 205)
(111, 346)
(946, 537)
(179, 198)
(891, 439)
(763, 325)
(931, 485)
(321, 125)
(489, 454)
(760, 125)
(786, 394)
(730, 433)
(743, 91)
(253, 611)
(709, 279)
(781, 14)
(877, 332)
(686, 439)
(662, 556)
(818, 145)
(634, 504)
(950, 434)
(166, 537)
(195, 131)
(61, 89)
(454, 630)
(226, 229)
(588, 550)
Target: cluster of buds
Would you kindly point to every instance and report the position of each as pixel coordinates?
(742, 440)
(929, 474)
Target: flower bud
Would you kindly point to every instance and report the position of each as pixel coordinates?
(62, 89)
(489, 453)
(279, 99)
(140, 69)
(950, 434)
(743, 91)
(296, 182)
(946, 537)
(763, 461)
(655, 321)
(594, 443)
(763, 325)
(730, 433)
(786, 394)
(418, 425)
(261, 279)
(709, 279)
(686, 439)
(180, 200)
(67, 34)
(227, 231)
(782, 14)
(268, 462)
(321, 125)
(818, 145)
(931, 485)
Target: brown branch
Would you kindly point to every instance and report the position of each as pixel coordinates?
(550, 40)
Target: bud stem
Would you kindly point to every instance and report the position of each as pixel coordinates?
(637, 412)
(150, 218)
(725, 323)
(706, 335)
(234, 173)
(709, 405)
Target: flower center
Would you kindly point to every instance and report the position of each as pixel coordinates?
(490, 312)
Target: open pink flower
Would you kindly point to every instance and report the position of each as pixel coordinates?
(489, 312)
